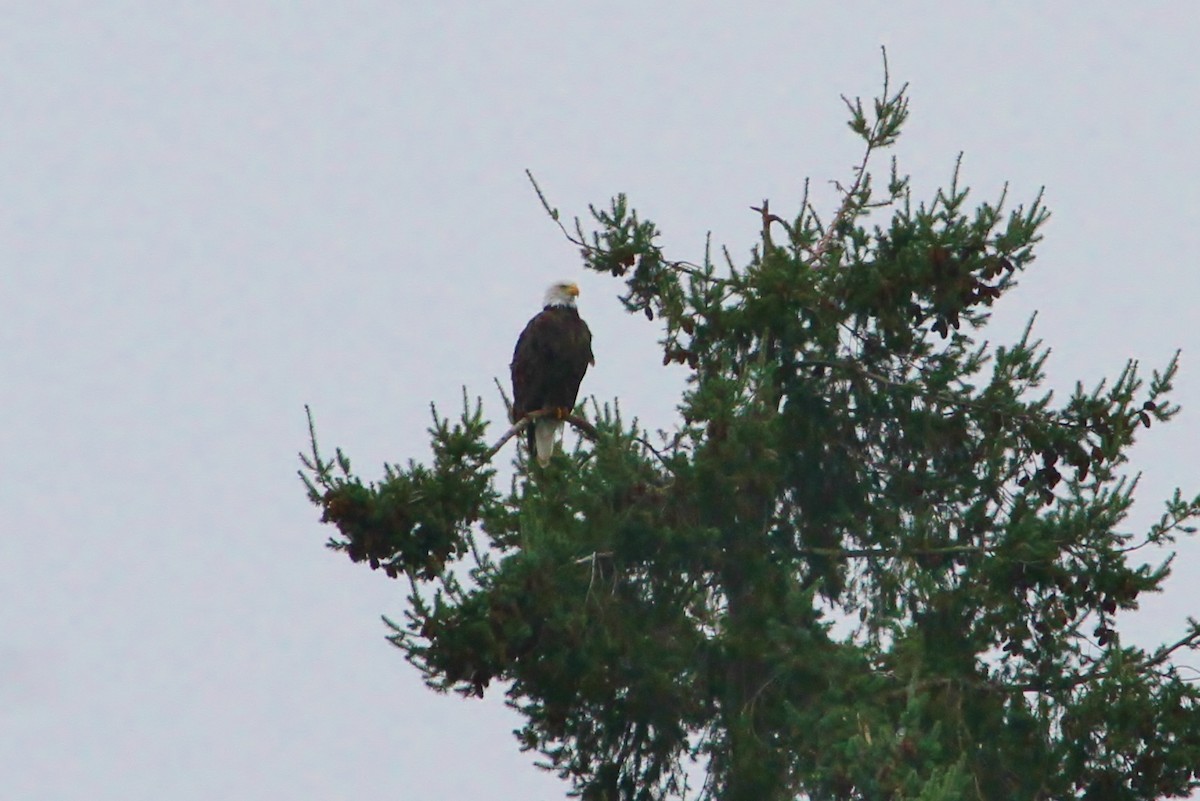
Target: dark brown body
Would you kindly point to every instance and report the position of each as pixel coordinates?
(551, 357)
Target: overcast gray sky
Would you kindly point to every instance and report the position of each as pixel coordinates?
(214, 213)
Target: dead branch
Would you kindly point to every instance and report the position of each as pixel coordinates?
(504, 397)
(685, 267)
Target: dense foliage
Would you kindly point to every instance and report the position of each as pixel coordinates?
(848, 451)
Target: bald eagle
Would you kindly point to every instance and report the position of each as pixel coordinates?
(552, 354)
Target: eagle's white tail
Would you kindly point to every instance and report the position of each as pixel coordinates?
(545, 432)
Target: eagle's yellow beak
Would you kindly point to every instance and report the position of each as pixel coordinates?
(573, 290)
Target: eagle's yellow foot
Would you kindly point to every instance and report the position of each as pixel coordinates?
(561, 413)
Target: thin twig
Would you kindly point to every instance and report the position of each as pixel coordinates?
(850, 199)
(686, 267)
(504, 397)
(319, 467)
(655, 451)
(1191, 641)
(551, 211)
(848, 202)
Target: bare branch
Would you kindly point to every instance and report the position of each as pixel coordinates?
(662, 459)
(685, 267)
(578, 423)
(318, 466)
(504, 397)
(849, 198)
(1191, 641)
(552, 212)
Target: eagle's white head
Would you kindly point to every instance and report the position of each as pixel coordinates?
(562, 293)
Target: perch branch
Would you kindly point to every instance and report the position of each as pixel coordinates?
(578, 423)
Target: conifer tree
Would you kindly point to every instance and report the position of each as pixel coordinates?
(874, 559)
